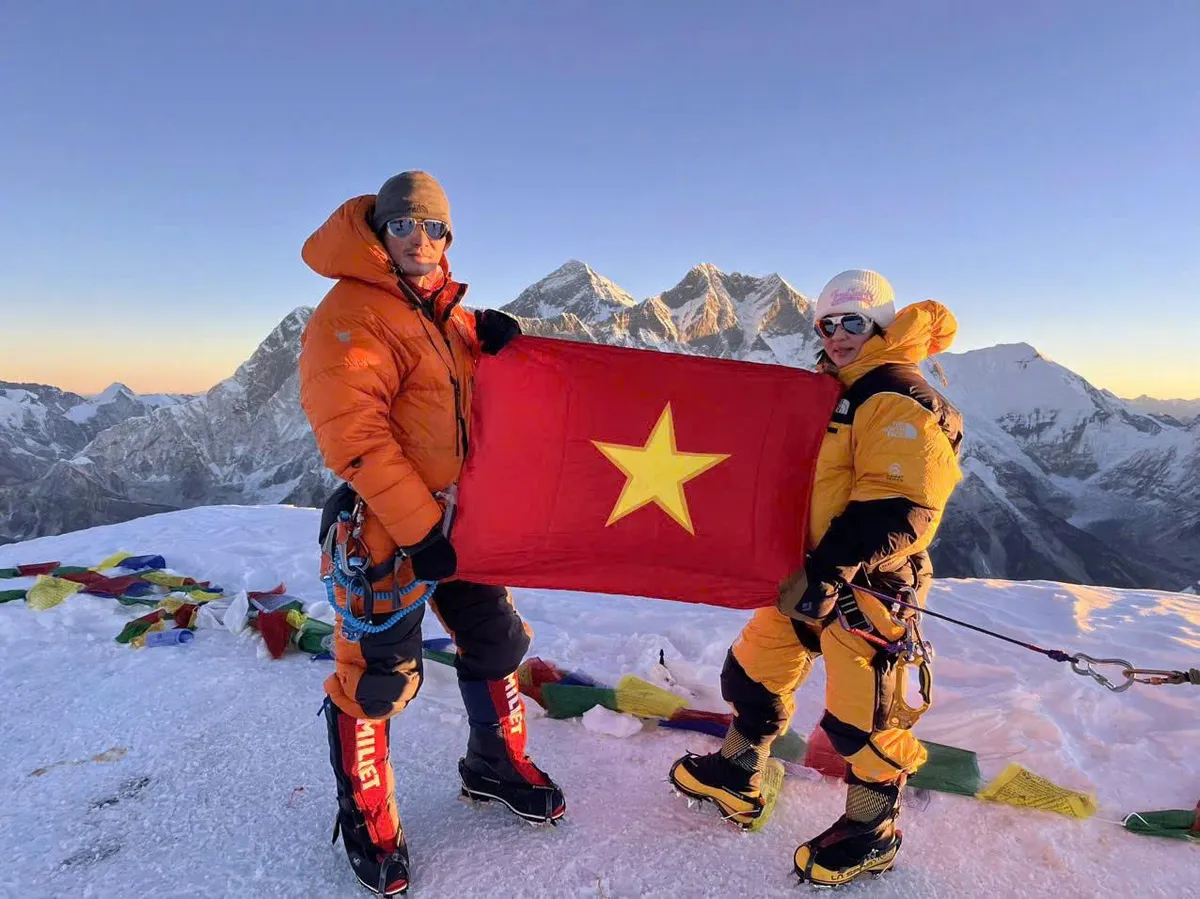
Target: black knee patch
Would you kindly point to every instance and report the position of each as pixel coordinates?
(760, 713)
(490, 635)
(845, 739)
(394, 666)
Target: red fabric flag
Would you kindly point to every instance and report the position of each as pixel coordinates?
(821, 756)
(276, 632)
(102, 585)
(36, 568)
(612, 470)
(277, 590)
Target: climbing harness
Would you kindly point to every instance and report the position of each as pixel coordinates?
(911, 649)
(351, 575)
(1081, 663)
(346, 564)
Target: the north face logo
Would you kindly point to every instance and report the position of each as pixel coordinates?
(901, 430)
(842, 408)
(418, 209)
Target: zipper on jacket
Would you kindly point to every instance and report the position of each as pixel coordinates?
(460, 424)
(458, 410)
(427, 309)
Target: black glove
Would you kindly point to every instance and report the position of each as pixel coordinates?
(818, 602)
(434, 558)
(495, 329)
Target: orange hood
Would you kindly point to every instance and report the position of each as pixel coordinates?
(920, 331)
(345, 247)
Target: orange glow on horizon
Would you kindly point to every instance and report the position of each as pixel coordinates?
(197, 365)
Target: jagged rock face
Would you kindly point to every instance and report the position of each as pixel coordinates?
(573, 288)
(245, 441)
(39, 425)
(709, 313)
(35, 431)
(1061, 480)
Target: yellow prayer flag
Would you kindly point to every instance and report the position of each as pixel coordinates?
(296, 619)
(200, 594)
(139, 642)
(1020, 786)
(112, 561)
(646, 700)
(48, 591)
(162, 578)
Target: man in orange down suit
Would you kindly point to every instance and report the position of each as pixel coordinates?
(386, 372)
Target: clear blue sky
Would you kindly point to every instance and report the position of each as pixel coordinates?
(1035, 165)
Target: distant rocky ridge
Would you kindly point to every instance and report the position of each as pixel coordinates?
(1062, 481)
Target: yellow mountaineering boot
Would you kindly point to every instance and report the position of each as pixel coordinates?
(731, 778)
(861, 843)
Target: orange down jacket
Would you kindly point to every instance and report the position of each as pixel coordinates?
(386, 380)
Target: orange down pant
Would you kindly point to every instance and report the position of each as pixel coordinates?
(377, 676)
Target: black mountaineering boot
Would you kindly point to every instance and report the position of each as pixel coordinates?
(861, 843)
(366, 819)
(731, 778)
(496, 767)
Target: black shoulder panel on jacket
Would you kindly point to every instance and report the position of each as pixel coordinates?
(905, 379)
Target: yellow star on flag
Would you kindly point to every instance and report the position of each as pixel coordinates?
(656, 472)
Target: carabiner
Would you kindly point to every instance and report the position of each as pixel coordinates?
(1081, 663)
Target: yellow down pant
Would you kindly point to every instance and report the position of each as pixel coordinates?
(860, 684)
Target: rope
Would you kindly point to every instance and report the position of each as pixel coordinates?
(1081, 663)
(353, 627)
(1057, 654)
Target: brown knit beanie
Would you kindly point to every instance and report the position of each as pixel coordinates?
(410, 195)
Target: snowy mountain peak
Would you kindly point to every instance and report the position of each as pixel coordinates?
(700, 283)
(111, 392)
(298, 317)
(707, 271)
(250, 829)
(1185, 411)
(573, 288)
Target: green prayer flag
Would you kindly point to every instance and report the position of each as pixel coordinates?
(316, 637)
(1175, 824)
(568, 701)
(948, 770)
(790, 747)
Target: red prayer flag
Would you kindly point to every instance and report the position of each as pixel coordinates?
(102, 585)
(276, 632)
(821, 756)
(277, 590)
(613, 470)
(37, 568)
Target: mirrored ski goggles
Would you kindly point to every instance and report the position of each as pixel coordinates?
(406, 226)
(851, 322)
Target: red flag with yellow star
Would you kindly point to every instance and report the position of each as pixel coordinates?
(611, 470)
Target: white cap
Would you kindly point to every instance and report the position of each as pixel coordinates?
(858, 290)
